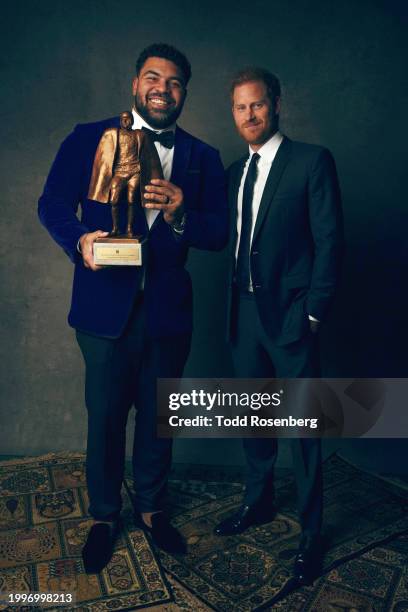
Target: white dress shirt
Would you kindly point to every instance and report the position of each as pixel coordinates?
(166, 158)
(266, 154)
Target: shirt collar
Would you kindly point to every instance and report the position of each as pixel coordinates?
(269, 149)
(139, 123)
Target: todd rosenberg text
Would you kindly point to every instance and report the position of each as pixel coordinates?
(251, 420)
(234, 412)
(281, 407)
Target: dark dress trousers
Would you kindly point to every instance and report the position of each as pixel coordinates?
(132, 332)
(295, 259)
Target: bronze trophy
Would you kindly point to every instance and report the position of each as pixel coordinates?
(125, 162)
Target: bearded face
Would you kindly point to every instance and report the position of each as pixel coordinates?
(159, 92)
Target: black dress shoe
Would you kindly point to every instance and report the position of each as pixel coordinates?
(308, 562)
(245, 517)
(98, 548)
(163, 534)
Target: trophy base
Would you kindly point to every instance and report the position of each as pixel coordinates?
(119, 251)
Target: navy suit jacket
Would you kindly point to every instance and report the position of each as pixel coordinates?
(102, 301)
(297, 244)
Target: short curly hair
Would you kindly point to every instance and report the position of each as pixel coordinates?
(167, 52)
(254, 73)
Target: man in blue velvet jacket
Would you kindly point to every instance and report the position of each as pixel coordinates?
(134, 324)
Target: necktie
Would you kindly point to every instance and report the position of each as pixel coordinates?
(242, 271)
(165, 138)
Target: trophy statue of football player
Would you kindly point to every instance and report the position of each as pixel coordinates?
(125, 161)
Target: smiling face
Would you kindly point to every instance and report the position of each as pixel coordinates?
(159, 92)
(256, 116)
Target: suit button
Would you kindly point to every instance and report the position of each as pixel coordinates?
(257, 286)
(255, 252)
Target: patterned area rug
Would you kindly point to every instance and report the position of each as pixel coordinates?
(43, 523)
(43, 526)
(253, 571)
(377, 581)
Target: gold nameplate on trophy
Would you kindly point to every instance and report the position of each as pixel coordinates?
(119, 251)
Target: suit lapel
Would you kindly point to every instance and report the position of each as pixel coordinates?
(182, 151)
(272, 182)
(234, 183)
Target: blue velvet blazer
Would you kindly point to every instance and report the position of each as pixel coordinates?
(102, 301)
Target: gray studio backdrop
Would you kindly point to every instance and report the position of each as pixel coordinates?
(343, 71)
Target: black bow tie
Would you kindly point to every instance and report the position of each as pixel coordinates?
(165, 138)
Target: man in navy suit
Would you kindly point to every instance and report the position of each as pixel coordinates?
(133, 324)
(285, 254)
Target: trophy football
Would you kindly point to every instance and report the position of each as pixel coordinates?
(125, 162)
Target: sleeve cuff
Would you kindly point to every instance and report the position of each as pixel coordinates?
(179, 227)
